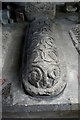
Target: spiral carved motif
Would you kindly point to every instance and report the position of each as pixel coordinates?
(36, 75)
(44, 74)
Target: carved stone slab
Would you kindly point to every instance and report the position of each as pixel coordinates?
(43, 71)
(23, 105)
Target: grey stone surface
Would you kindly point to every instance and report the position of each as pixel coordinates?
(0, 50)
(34, 10)
(0, 69)
(12, 39)
(44, 69)
(63, 40)
(75, 35)
(58, 1)
(23, 105)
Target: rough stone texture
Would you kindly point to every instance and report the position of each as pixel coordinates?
(5, 42)
(11, 46)
(12, 40)
(34, 10)
(44, 71)
(0, 50)
(25, 106)
(75, 35)
(0, 69)
(63, 40)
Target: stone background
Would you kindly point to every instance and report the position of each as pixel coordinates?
(24, 105)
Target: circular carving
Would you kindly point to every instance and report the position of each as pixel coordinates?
(54, 73)
(35, 75)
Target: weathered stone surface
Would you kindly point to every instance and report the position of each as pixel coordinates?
(43, 72)
(34, 10)
(75, 35)
(64, 105)
(6, 36)
(12, 36)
